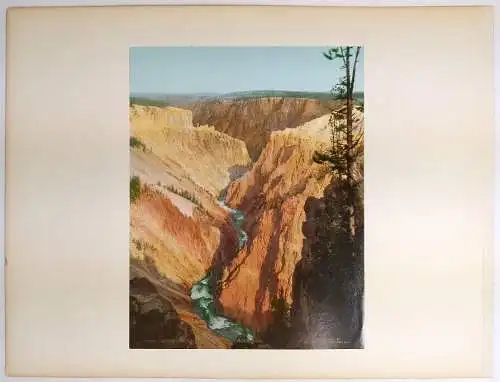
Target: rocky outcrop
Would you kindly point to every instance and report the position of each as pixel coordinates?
(328, 283)
(208, 157)
(272, 196)
(154, 322)
(178, 296)
(253, 120)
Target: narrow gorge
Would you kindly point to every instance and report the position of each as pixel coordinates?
(229, 216)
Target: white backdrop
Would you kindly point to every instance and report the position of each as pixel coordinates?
(28, 3)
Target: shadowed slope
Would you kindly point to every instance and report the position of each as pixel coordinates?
(273, 195)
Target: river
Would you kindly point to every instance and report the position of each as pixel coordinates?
(204, 301)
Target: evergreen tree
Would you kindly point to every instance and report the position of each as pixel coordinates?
(344, 147)
(338, 253)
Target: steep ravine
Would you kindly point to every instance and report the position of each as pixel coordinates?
(223, 264)
(178, 229)
(273, 197)
(205, 298)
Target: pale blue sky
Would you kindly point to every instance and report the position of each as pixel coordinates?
(230, 69)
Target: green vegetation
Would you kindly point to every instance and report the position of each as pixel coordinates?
(147, 102)
(276, 93)
(185, 194)
(338, 259)
(280, 309)
(136, 144)
(345, 145)
(135, 188)
(288, 94)
(278, 332)
(141, 245)
(179, 100)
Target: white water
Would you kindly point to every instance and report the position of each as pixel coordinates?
(200, 291)
(204, 301)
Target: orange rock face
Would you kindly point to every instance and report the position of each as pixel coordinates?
(272, 195)
(178, 230)
(181, 246)
(175, 251)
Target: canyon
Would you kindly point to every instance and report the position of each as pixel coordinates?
(177, 226)
(209, 174)
(273, 195)
(253, 120)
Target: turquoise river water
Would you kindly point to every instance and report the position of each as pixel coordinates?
(204, 301)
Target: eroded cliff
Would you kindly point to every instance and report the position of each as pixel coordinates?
(178, 228)
(210, 158)
(272, 196)
(253, 120)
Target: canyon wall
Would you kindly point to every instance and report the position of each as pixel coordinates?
(174, 249)
(210, 158)
(178, 228)
(177, 212)
(253, 120)
(272, 196)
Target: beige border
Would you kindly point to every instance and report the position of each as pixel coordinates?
(429, 188)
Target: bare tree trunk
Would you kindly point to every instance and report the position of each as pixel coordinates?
(351, 195)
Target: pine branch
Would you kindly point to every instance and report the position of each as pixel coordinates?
(322, 158)
(328, 56)
(342, 55)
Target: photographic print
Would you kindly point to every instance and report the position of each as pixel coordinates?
(246, 197)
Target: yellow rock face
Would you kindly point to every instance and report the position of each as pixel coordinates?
(210, 158)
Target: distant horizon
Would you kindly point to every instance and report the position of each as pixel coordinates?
(223, 70)
(241, 91)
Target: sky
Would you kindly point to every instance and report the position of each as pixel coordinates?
(180, 70)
